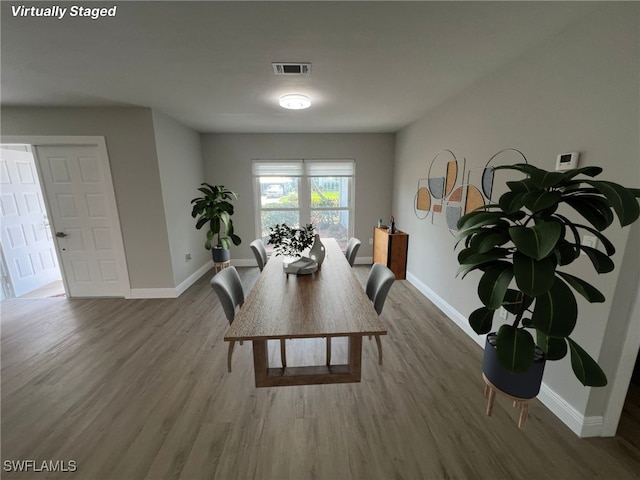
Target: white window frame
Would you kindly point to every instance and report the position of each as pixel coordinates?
(305, 170)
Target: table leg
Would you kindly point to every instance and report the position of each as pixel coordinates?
(260, 361)
(355, 356)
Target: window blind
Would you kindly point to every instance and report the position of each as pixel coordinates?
(278, 168)
(297, 168)
(329, 168)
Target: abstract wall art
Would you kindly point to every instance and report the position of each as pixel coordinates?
(450, 190)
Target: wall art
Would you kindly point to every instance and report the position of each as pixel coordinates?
(450, 190)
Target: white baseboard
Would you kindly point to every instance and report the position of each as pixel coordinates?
(578, 423)
(457, 318)
(171, 292)
(363, 261)
(193, 278)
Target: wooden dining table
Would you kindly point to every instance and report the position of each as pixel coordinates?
(327, 303)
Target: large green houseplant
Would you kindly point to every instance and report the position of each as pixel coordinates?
(214, 209)
(526, 239)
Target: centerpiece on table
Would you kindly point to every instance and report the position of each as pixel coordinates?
(290, 242)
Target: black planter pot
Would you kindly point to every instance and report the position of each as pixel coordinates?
(521, 385)
(220, 254)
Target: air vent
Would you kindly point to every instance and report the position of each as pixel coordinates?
(291, 68)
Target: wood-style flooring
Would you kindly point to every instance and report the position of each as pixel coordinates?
(139, 389)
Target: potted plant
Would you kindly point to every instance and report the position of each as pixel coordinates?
(291, 241)
(214, 209)
(527, 239)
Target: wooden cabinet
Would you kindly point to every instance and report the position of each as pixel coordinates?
(390, 249)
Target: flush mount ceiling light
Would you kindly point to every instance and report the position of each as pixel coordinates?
(295, 101)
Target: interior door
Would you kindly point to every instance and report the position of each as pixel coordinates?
(79, 194)
(26, 238)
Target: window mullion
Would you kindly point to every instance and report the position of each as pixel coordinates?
(304, 200)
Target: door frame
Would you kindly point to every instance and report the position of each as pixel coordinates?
(112, 206)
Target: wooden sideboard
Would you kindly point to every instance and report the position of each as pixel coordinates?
(390, 249)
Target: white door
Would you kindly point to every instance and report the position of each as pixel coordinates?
(26, 238)
(84, 219)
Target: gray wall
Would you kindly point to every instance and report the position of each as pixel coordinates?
(228, 162)
(131, 146)
(579, 91)
(181, 173)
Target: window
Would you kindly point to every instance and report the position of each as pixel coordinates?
(297, 192)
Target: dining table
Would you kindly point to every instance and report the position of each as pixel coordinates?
(327, 303)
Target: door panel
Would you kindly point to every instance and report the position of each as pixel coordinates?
(26, 238)
(78, 189)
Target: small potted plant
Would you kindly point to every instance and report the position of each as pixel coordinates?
(521, 245)
(214, 210)
(290, 241)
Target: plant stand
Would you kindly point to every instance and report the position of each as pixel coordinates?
(490, 391)
(217, 266)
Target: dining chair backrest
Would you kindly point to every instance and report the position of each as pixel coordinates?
(352, 249)
(260, 252)
(378, 284)
(228, 286)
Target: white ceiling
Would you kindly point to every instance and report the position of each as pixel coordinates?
(377, 66)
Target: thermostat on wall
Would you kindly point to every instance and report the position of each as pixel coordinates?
(567, 161)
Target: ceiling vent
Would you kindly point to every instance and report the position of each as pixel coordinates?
(280, 68)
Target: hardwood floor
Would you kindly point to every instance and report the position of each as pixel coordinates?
(139, 389)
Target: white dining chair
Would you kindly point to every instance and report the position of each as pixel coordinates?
(352, 249)
(228, 288)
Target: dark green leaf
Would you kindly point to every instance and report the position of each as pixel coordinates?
(608, 246)
(537, 201)
(224, 216)
(589, 171)
(544, 179)
(566, 252)
(499, 225)
(521, 186)
(588, 291)
(590, 212)
(586, 368)
(601, 262)
(478, 218)
(554, 348)
(516, 302)
(483, 242)
(521, 167)
(493, 285)
(515, 349)
(490, 256)
(537, 241)
(556, 311)
(201, 221)
(533, 277)
(622, 199)
(481, 320)
(511, 202)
